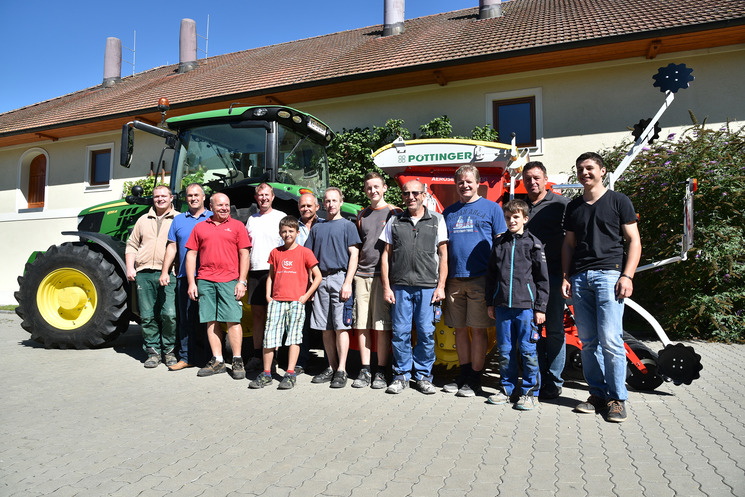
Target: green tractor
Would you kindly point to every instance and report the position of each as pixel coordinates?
(76, 295)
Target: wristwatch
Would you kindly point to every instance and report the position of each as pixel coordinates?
(244, 283)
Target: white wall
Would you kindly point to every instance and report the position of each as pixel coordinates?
(585, 107)
(22, 232)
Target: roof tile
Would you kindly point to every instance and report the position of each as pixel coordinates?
(450, 37)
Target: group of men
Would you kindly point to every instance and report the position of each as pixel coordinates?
(397, 266)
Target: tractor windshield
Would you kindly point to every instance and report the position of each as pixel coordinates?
(301, 161)
(221, 155)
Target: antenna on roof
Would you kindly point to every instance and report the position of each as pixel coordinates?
(134, 45)
(205, 38)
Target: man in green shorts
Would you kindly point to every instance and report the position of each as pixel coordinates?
(222, 244)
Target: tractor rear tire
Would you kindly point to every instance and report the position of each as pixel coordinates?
(71, 296)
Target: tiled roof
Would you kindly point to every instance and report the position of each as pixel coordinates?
(433, 41)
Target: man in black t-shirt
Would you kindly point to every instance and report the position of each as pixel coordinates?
(546, 221)
(597, 279)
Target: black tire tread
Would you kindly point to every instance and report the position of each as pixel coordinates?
(108, 321)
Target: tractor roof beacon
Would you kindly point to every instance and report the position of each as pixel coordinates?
(76, 294)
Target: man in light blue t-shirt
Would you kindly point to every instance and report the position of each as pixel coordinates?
(472, 224)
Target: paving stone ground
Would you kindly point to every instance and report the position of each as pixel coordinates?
(95, 422)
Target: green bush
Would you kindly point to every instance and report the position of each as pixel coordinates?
(703, 297)
(148, 183)
(350, 158)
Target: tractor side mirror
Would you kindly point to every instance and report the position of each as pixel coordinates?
(128, 141)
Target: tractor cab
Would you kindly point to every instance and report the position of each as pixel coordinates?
(234, 150)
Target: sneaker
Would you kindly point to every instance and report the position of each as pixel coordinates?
(170, 359)
(254, 364)
(379, 382)
(592, 405)
(616, 411)
(363, 379)
(153, 358)
(239, 372)
(498, 399)
(340, 379)
(288, 381)
(261, 381)
(398, 386)
(323, 377)
(299, 370)
(456, 385)
(212, 367)
(526, 403)
(426, 387)
(465, 391)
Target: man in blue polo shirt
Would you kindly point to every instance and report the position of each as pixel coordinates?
(191, 349)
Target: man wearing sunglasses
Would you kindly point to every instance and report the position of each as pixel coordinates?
(414, 267)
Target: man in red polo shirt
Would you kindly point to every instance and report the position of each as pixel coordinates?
(222, 244)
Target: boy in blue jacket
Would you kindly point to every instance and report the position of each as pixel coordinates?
(516, 285)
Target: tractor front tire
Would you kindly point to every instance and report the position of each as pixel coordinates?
(71, 296)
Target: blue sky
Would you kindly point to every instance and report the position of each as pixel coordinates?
(53, 48)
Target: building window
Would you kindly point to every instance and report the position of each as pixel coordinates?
(37, 182)
(518, 112)
(516, 115)
(99, 165)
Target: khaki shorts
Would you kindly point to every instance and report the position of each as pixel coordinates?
(371, 311)
(465, 303)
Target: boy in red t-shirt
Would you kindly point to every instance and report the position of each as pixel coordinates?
(287, 291)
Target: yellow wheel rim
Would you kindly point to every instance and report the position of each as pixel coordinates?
(66, 298)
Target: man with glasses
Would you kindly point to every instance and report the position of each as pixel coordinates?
(413, 268)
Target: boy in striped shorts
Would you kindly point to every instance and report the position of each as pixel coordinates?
(287, 291)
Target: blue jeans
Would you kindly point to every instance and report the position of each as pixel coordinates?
(599, 317)
(416, 302)
(191, 333)
(513, 338)
(552, 349)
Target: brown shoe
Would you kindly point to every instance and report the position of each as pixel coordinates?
(180, 365)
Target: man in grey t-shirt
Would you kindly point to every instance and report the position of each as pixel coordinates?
(371, 311)
(335, 243)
